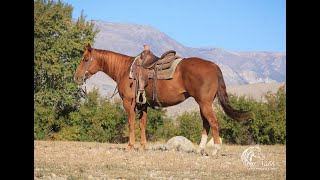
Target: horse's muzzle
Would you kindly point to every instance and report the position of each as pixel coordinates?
(78, 80)
(81, 79)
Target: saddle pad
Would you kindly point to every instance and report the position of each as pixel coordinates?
(166, 73)
(163, 74)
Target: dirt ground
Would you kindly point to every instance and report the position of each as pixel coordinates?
(87, 160)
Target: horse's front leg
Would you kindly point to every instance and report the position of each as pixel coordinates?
(143, 123)
(129, 107)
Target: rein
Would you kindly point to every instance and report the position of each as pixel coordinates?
(114, 93)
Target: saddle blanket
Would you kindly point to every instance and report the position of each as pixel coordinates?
(161, 74)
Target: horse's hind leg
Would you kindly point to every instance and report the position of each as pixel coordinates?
(210, 115)
(205, 132)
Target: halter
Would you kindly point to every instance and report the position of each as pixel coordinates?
(85, 75)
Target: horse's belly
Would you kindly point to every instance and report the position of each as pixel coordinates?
(167, 93)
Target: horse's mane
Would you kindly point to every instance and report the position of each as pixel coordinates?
(120, 63)
(100, 53)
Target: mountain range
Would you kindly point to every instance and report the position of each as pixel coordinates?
(238, 68)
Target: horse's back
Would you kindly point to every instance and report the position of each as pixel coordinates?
(193, 76)
(198, 67)
(199, 76)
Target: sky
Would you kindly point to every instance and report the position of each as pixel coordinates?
(238, 25)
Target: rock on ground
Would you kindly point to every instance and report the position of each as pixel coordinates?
(180, 143)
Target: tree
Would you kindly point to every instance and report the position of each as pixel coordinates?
(58, 46)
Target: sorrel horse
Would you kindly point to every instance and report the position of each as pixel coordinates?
(193, 77)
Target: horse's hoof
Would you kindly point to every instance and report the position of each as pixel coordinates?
(129, 148)
(142, 148)
(214, 153)
(216, 149)
(201, 152)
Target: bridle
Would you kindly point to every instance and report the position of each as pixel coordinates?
(85, 75)
(86, 72)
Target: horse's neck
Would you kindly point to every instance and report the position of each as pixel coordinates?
(115, 65)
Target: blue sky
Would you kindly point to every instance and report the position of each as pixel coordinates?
(239, 25)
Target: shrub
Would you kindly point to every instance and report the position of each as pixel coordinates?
(96, 120)
(268, 123)
(190, 126)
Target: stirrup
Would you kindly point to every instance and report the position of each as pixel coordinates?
(144, 99)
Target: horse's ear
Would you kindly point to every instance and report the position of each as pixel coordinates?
(146, 47)
(88, 47)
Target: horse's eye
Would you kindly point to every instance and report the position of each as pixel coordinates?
(85, 59)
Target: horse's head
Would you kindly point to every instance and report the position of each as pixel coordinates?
(88, 65)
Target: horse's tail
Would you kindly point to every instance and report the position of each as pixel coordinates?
(224, 101)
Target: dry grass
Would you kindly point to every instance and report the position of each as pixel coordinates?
(84, 160)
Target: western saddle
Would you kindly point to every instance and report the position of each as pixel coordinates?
(148, 66)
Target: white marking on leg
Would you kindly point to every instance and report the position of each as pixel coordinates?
(203, 141)
(216, 148)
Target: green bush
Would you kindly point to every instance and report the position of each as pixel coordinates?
(102, 121)
(231, 131)
(155, 120)
(96, 120)
(168, 130)
(44, 119)
(58, 46)
(268, 123)
(190, 126)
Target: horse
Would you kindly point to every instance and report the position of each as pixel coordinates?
(193, 77)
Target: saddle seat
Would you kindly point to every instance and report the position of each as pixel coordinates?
(164, 62)
(154, 68)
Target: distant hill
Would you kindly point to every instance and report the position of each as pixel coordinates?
(238, 67)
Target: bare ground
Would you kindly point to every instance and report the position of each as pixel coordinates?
(88, 160)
